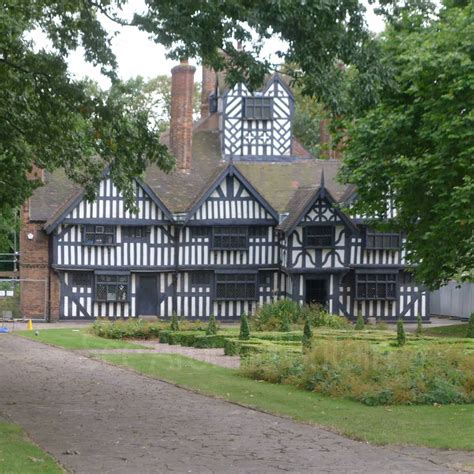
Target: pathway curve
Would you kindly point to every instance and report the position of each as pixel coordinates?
(98, 418)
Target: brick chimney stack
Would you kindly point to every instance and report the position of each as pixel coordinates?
(181, 126)
(209, 79)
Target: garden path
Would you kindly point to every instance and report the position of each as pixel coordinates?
(95, 417)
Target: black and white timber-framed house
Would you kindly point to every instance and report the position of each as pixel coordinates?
(247, 217)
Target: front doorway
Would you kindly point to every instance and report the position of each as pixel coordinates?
(316, 291)
(147, 296)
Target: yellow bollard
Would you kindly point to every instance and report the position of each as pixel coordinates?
(30, 325)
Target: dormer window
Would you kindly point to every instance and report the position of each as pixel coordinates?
(258, 108)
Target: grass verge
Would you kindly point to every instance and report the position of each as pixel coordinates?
(450, 426)
(19, 455)
(455, 330)
(76, 339)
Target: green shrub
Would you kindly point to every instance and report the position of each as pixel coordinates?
(419, 326)
(244, 328)
(234, 347)
(401, 337)
(360, 323)
(307, 335)
(174, 324)
(270, 316)
(209, 341)
(212, 326)
(284, 314)
(470, 327)
(355, 370)
(132, 328)
(285, 324)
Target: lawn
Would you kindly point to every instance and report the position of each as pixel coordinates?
(76, 339)
(20, 455)
(450, 426)
(455, 330)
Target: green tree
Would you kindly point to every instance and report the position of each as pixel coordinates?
(401, 337)
(285, 325)
(416, 145)
(244, 334)
(51, 120)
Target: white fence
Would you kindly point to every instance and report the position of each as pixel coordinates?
(454, 299)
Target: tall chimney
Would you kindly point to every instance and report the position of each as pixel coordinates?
(181, 126)
(209, 79)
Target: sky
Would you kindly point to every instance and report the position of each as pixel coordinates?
(138, 55)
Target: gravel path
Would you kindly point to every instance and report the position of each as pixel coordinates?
(98, 418)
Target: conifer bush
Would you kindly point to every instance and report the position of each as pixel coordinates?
(212, 328)
(244, 334)
(307, 335)
(470, 327)
(174, 324)
(401, 336)
(419, 326)
(360, 323)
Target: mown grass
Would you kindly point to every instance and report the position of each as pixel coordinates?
(455, 330)
(447, 426)
(76, 339)
(19, 455)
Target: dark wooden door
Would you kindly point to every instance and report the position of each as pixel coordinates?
(147, 296)
(316, 292)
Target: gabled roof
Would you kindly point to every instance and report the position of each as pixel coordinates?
(62, 211)
(231, 170)
(302, 202)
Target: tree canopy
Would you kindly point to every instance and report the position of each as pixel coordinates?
(52, 120)
(416, 146)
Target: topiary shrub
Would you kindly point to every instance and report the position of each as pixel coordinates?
(470, 327)
(174, 325)
(419, 326)
(212, 326)
(401, 337)
(244, 334)
(360, 323)
(307, 335)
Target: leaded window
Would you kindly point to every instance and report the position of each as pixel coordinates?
(376, 286)
(265, 278)
(236, 286)
(111, 288)
(135, 233)
(258, 231)
(257, 108)
(230, 238)
(99, 234)
(81, 279)
(200, 231)
(381, 240)
(321, 236)
(201, 278)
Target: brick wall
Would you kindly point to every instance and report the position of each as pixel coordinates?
(35, 274)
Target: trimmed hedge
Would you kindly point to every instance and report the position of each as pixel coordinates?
(234, 347)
